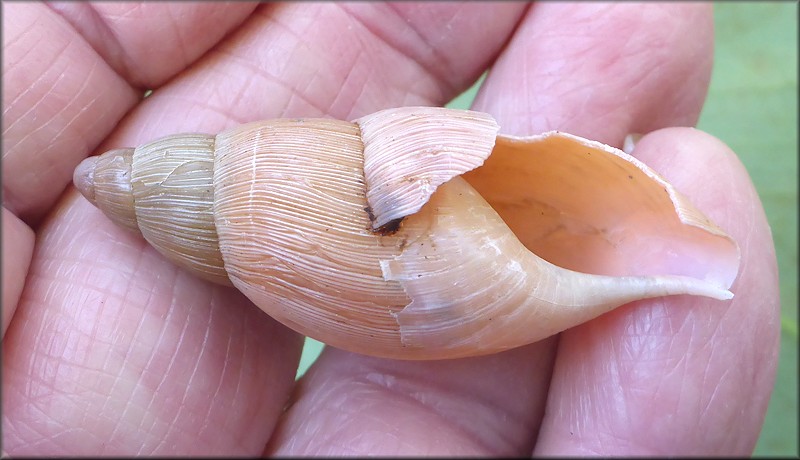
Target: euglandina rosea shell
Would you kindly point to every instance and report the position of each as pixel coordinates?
(362, 234)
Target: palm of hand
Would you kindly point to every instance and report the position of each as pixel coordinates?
(112, 350)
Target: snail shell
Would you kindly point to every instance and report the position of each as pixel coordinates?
(362, 234)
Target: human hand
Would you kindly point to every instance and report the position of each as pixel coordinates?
(114, 351)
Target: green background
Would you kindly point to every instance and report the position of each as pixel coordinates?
(751, 106)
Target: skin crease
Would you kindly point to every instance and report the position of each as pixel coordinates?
(17, 249)
(113, 351)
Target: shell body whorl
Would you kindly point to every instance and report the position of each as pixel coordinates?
(391, 254)
(294, 234)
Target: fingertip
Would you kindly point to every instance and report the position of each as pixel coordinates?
(678, 141)
(699, 165)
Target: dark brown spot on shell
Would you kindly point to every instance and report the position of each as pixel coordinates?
(389, 228)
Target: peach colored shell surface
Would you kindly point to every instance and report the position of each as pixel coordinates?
(415, 232)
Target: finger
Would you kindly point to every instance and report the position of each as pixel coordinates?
(586, 99)
(356, 405)
(69, 79)
(59, 101)
(124, 34)
(678, 376)
(602, 71)
(113, 352)
(17, 251)
(517, 382)
(340, 60)
(137, 268)
(75, 416)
